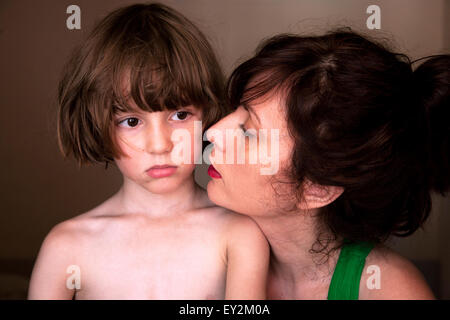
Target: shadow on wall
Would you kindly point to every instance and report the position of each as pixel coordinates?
(14, 278)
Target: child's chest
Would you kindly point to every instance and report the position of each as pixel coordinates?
(154, 264)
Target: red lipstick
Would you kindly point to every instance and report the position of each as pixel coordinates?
(161, 171)
(213, 173)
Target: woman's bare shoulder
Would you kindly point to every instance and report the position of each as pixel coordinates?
(387, 275)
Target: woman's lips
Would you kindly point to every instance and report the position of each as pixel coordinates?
(213, 173)
(161, 171)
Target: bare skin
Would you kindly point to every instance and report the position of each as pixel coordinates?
(184, 255)
(296, 273)
(156, 238)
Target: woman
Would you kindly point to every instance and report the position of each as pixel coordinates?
(362, 141)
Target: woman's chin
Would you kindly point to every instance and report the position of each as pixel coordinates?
(214, 193)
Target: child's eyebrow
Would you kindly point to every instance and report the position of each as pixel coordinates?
(191, 107)
(118, 108)
(250, 109)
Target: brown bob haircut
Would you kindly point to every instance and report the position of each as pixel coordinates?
(164, 57)
(361, 118)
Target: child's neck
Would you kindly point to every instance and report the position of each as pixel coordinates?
(133, 198)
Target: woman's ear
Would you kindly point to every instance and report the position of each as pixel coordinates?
(317, 196)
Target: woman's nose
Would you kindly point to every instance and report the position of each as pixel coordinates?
(216, 133)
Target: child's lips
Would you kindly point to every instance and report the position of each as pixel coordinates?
(161, 171)
(213, 173)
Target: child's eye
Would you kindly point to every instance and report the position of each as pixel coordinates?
(180, 115)
(129, 122)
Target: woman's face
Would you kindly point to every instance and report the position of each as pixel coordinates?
(252, 188)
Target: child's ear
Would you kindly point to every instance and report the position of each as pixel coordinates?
(317, 196)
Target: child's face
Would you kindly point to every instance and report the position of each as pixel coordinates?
(147, 140)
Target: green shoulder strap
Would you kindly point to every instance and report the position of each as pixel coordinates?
(347, 274)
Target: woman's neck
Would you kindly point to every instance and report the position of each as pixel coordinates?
(291, 238)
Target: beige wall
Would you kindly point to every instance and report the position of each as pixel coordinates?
(39, 189)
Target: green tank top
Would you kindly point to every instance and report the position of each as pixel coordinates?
(347, 274)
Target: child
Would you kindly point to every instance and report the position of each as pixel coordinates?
(144, 72)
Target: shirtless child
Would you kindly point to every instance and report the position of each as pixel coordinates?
(144, 72)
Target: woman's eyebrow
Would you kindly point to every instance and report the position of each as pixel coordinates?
(250, 109)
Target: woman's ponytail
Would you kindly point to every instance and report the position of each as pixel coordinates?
(432, 80)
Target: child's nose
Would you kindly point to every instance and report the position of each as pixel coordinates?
(158, 140)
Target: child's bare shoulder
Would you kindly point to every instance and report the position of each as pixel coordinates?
(232, 221)
(61, 245)
(74, 232)
(235, 227)
(242, 230)
(206, 206)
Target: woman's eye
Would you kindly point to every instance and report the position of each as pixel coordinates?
(180, 115)
(129, 122)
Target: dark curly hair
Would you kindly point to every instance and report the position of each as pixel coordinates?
(361, 119)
